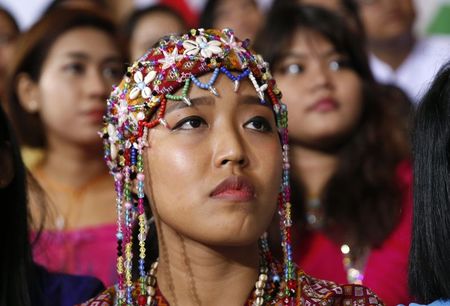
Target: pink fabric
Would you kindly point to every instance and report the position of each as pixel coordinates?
(387, 266)
(87, 251)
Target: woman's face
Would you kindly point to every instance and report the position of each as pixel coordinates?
(387, 20)
(322, 92)
(242, 16)
(76, 78)
(214, 176)
(149, 29)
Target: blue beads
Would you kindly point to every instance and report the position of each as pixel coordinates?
(133, 156)
(141, 268)
(235, 78)
(210, 82)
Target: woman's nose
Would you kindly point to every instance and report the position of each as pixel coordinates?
(230, 149)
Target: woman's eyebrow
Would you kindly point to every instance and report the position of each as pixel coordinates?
(253, 100)
(204, 100)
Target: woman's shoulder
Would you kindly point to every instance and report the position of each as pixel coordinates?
(65, 289)
(313, 291)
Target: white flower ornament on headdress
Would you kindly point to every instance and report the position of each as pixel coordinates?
(141, 85)
(206, 48)
(233, 44)
(170, 58)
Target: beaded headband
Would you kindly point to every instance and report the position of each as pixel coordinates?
(139, 104)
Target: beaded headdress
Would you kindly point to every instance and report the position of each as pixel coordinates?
(139, 103)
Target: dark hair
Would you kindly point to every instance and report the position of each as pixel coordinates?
(429, 269)
(363, 196)
(31, 53)
(57, 4)
(349, 10)
(16, 264)
(10, 18)
(209, 14)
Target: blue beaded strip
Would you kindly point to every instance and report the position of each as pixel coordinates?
(235, 79)
(210, 83)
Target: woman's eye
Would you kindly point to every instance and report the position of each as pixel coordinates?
(113, 72)
(293, 69)
(75, 68)
(189, 123)
(339, 64)
(259, 124)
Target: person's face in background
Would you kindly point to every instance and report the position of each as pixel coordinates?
(322, 92)
(387, 20)
(242, 16)
(76, 78)
(149, 29)
(8, 38)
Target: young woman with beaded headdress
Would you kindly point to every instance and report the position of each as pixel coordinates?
(197, 126)
(62, 72)
(351, 175)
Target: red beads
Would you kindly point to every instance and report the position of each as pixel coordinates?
(142, 300)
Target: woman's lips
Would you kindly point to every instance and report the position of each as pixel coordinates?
(324, 105)
(235, 189)
(95, 115)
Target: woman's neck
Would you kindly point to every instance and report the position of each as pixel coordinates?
(191, 273)
(73, 165)
(313, 168)
(394, 52)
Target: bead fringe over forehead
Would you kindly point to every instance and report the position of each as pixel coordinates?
(139, 104)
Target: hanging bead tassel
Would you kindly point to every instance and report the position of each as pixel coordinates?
(235, 79)
(284, 205)
(159, 117)
(118, 178)
(259, 89)
(209, 85)
(183, 97)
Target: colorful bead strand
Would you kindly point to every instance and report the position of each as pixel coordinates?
(210, 83)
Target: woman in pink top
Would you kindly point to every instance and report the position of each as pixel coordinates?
(62, 73)
(348, 151)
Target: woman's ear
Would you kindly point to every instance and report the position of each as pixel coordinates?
(28, 93)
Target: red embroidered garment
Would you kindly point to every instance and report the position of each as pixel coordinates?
(311, 292)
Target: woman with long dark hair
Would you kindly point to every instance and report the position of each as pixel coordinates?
(22, 282)
(350, 172)
(429, 269)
